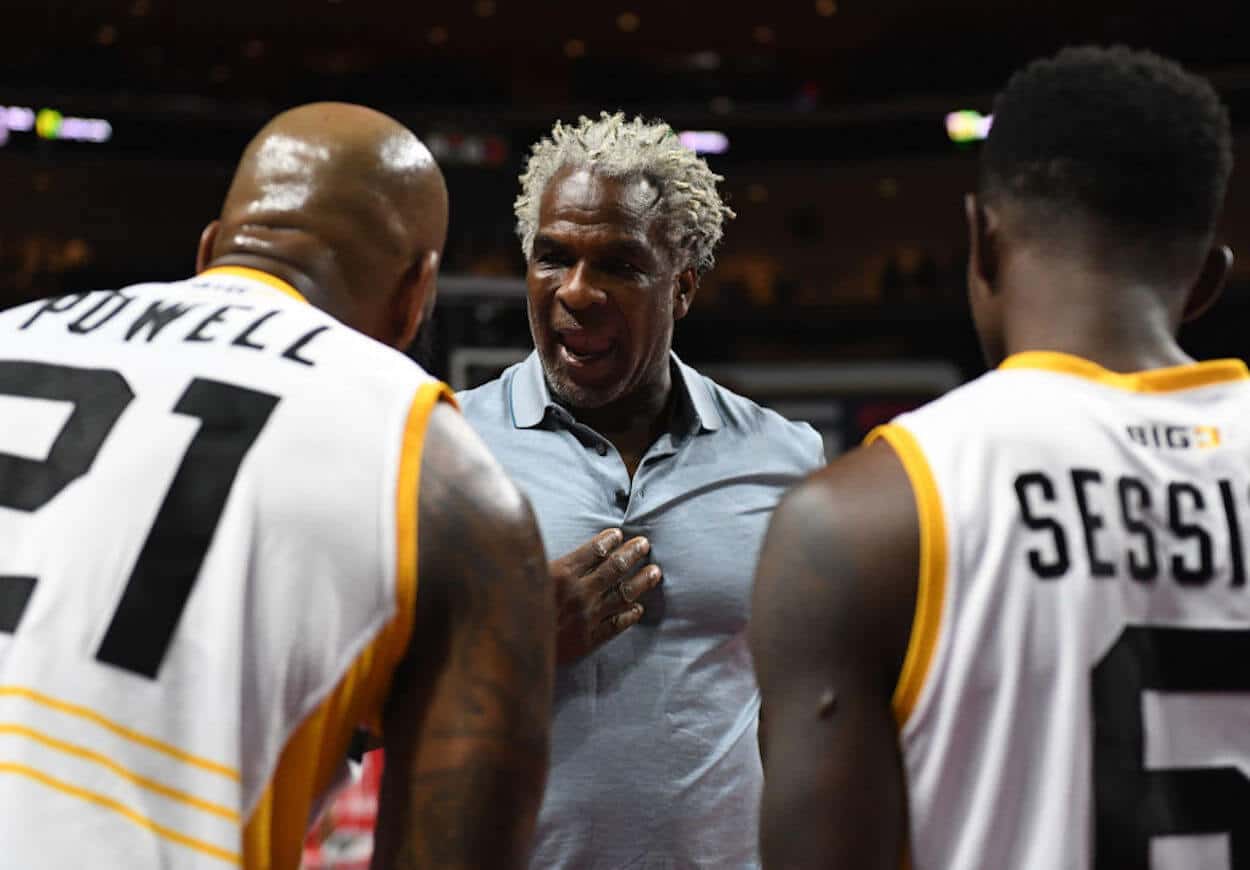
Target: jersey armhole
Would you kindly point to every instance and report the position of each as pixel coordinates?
(931, 582)
(273, 834)
(398, 634)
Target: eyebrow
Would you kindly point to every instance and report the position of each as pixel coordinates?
(620, 247)
(542, 241)
(630, 249)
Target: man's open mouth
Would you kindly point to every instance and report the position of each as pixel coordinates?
(582, 348)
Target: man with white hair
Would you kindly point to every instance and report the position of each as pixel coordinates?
(636, 464)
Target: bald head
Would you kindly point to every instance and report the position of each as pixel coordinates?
(342, 201)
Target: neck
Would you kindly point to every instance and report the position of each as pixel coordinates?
(1119, 324)
(303, 279)
(633, 422)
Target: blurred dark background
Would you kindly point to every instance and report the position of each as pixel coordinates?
(839, 290)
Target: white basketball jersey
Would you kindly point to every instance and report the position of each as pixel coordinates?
(208, 495)
(1076, 693)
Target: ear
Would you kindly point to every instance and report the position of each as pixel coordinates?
(983, 243)
(684, 288)
(1210, 282)
(413, 299)
(208, 238)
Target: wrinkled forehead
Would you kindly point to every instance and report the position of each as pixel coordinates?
(578, 196)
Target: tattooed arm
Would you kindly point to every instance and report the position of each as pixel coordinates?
(467, 722)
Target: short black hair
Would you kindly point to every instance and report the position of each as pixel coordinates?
(1126, 137)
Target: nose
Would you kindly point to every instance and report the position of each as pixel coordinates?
(577, 292)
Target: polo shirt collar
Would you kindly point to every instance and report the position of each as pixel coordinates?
(698, 394)
(531, 398)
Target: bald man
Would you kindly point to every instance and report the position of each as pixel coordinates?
(210, 492)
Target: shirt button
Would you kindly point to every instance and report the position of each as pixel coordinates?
(601, 449)
(622, 497)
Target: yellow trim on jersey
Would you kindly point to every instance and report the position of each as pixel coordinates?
(128, 775)
(274, 834)
(120, 730)
(1165, 380)
(120, 808)
(931, 585)
(406, 493)
(257, 275)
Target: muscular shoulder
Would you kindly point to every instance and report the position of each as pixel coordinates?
(465, 494)
(860, 505)
(478, 540)
(841, 556)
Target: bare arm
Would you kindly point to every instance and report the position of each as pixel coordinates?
(831, 617)
(468, 720)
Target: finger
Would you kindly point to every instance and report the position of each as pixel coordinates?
(591, 554)
(614, 625)
(633, 588)
(621, 563)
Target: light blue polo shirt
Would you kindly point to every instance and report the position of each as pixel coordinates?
(655, 763)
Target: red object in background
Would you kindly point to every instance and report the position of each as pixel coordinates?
(870, 415)
(343, 838)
